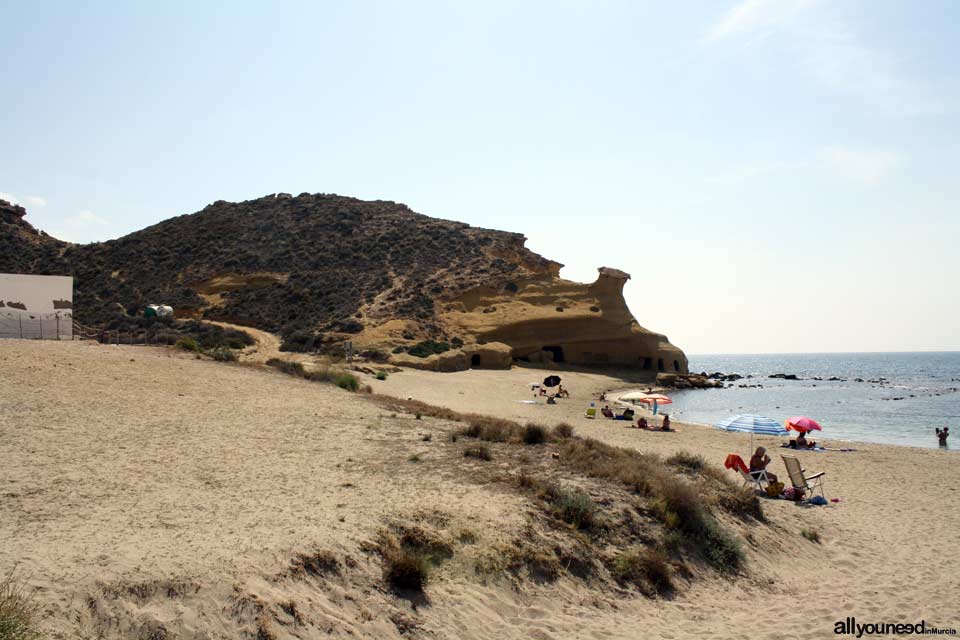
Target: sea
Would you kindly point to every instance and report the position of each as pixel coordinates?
(886, 398)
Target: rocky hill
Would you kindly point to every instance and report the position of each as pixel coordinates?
(320, 269)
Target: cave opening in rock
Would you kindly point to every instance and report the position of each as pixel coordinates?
(659, 364)
(556, 351)
(647, 363)
(475, 360)
(676, 365)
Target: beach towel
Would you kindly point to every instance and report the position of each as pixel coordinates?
(735, 462)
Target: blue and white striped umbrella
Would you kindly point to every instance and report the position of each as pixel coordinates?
(753, 424)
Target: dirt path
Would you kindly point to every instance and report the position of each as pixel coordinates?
(267, 346)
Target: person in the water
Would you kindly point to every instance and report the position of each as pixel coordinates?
(942, 435)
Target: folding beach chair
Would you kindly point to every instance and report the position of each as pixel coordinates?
(591, 412)
(800, 480)
(758, 479)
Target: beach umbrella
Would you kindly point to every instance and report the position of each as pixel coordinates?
(803, 424)
(551, 381)
(655, 400)
(632, 396)
(746, 423)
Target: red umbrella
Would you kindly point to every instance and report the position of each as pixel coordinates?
(803, 425)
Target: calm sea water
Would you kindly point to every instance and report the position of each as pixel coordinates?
(928, 383)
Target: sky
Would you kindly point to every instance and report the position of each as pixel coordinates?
(776, 175)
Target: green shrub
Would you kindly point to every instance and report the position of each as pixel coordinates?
(575, 507)
(301, 341)
(720, 548)
(18, 611)
(347, 381)
(381, 375)
(223, 354)
(188, 344)
(428, 348)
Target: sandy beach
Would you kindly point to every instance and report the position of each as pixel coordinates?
(149, 494)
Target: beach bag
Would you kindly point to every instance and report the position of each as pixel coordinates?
(774, 489)
(820, 501)
(792, 493)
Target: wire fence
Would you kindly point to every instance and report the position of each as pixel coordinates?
(127, 336)
(59, 325)
(27, 325)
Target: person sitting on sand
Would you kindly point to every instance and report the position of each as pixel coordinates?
(642, 423)
(942, 435)
(802, 442)
(759, 463)
(606, 412)
(628, 414)
(603, 396)
(665, 426)
(562, 393)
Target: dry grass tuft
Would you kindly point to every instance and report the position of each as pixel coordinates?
(576, 508)
(317, 564)
(648, 569)
(408, 553)
(573, 507)
(405, 570)
(534, 434)
(811, 535)
(341, 378)
(19, 613)
(562, 431)
(480, 451)
(687, 461)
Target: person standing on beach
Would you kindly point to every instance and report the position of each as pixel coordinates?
(942, 435)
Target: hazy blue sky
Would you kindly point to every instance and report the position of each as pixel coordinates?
(777, 175)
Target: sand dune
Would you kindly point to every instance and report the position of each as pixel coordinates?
(144, 493)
